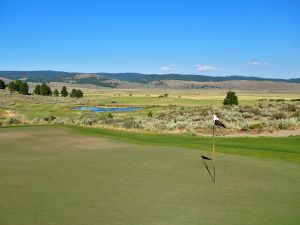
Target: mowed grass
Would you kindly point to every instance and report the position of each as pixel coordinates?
(68, 176)
(281, 148)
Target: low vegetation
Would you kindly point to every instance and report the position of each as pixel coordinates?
(263, 116)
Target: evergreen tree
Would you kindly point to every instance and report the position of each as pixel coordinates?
(79, 93)
(12, 86)
(76, 93)
(18, 85)
(64, 91)
(56, 93)
(37, 90)
(45, 90)
(73, 93)
(231, 99)
(2, 84)
(23, 89)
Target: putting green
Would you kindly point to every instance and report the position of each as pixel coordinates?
(57, 176)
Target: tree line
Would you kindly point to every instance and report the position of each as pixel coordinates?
(22, 88)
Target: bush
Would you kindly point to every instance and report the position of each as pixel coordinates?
(131, 123)
(110, 116)
(231, 99)
(283, 125)
(49, 118)
(2, 84)
(12, 120)
(279, 115)
(150, 114)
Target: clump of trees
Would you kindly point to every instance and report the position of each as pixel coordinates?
(76, 93)
(18, 86)
(43, 89)
(231, 99)
(2, 84)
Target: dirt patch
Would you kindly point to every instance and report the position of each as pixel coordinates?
(7, 134)
(56, 139)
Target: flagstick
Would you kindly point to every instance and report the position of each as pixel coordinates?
(214, 154)
(213, 147)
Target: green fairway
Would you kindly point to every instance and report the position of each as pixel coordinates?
(80, 176)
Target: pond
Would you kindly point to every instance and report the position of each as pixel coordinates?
(104, 109)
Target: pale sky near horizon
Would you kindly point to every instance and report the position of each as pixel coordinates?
(248, 38)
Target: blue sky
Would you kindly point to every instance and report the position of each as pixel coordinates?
(250, 38)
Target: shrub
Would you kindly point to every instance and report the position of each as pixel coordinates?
(279, 115)
(110, 116)
(13, 120)
(150, 114)
(283, 125)
(2, 84)
(49, 118)
(130, 123)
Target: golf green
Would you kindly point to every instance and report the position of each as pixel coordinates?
(61, 176)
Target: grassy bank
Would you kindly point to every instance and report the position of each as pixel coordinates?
(283, 148)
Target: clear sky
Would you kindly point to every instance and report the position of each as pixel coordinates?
(250, 38)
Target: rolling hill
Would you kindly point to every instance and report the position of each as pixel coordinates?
(139, 80)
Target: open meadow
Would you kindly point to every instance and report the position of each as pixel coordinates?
(184, 111)
(74, 175)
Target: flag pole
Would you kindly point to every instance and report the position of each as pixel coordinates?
(213, 145)
(214, 153)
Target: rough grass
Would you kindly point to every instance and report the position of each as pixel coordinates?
(52, 175)
(187, 114)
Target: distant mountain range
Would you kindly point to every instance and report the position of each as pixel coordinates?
(114, 80)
